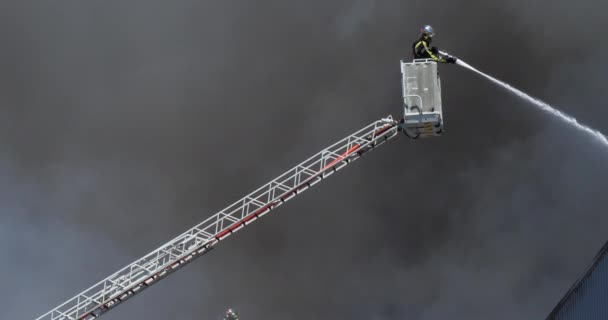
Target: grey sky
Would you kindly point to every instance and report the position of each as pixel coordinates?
(123, 123)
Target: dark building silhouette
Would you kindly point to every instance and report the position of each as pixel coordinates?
(587, 299)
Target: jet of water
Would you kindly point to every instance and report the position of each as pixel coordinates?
(540, 104)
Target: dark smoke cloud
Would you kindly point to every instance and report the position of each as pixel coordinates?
(123, 123)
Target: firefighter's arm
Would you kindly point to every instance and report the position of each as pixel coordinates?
(431, 54)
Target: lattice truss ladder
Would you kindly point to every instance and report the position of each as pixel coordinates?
(178, 252)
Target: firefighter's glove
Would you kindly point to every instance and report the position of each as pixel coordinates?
(450, 60)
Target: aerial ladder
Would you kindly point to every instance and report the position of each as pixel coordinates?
(422, 118)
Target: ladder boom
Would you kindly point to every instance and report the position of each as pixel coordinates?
(197, 241)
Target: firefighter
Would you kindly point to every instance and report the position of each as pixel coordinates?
(423, 50)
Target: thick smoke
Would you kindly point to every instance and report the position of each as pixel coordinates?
(123, 123)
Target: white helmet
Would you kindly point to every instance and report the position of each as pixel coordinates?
(427, 30)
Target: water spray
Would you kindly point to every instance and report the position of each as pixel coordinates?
(540, 104)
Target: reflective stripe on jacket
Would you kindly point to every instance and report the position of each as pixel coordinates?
(422, 50)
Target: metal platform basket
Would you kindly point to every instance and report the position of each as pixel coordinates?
(422, 116)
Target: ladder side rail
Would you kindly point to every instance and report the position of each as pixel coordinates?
(114, 284)
(199, 236)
